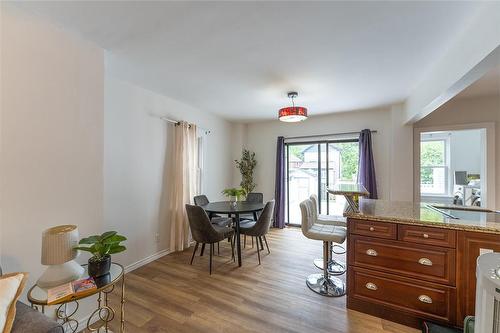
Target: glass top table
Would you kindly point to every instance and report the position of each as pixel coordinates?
(100, 317)
(37, 295)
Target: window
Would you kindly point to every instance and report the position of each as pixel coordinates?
(434, 165)
(312, 167)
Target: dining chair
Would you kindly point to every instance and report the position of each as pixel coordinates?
(253, 197)
(202, 200)
(204, 232)
(260, 228)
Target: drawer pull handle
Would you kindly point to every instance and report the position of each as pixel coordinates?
(425, 299)
(425, 261)
(371, 286)
(372, 229)
(371, 252)
(425, 235)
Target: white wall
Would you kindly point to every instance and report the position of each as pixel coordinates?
(136, 149)
(261, 138)
(51, 136)
(465, 151)
(466, 111)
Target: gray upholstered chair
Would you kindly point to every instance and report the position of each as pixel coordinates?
(260, 228)
(335, 267)
(205, 232)
(323, 284)
(254, 197)
(28, 320)
(202, 200)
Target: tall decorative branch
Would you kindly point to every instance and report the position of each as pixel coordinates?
(246, 165)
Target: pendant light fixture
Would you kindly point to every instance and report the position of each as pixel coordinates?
(292, 113)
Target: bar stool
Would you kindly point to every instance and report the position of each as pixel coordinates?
(335, 267)
(323, 284)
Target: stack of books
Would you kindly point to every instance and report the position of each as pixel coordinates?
(71, 289)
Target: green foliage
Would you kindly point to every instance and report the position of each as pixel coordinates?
(431, 154)
(101, 245)
(349, 160)
(246, 165)
(234, 192)
(297, 151)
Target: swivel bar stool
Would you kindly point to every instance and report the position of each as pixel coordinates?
(335, 267)
(323, 284)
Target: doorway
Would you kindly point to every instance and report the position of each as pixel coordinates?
(312, 167)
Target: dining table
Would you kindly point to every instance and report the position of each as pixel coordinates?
(234, 208)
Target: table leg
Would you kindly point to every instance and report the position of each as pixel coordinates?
(238, 244)
(122, 307)
(353, 206)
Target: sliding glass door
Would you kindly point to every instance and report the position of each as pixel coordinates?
(312, 167)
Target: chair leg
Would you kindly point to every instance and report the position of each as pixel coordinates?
(218, 249)
(267, 245)
(232, 250)
(244, 241)
(194, 252)
(261, 244)
(258, 250)
(202, 249)
(252, 242)
(211, 253)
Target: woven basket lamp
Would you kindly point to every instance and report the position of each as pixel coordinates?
(58, 254)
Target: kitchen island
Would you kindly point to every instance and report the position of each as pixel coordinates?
(413, 261)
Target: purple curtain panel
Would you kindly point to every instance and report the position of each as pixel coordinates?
(366, 167)
(279, 195)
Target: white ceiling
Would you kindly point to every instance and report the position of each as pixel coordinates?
(238, 59)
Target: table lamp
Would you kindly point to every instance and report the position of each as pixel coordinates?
(58, 253)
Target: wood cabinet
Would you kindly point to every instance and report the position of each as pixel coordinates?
(407, 273)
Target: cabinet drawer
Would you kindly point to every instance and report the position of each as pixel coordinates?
(429, 263)
(425, 300)
(374, 228)
(427, 235)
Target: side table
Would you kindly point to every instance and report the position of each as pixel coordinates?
(101, 316)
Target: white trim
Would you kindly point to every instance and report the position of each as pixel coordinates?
(147, 260)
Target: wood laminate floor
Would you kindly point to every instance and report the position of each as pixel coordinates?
(169, 295)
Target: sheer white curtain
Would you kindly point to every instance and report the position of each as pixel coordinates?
(184, 183)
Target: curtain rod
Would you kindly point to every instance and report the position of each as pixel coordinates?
(170, 120)
(320, 135)
(177, 122)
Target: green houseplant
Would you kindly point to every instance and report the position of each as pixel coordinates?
(234, 194)
(101, 247)
(246, 165)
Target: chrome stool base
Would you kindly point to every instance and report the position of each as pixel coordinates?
(334, 267)
(331, 287)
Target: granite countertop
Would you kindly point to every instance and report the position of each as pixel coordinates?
(349, 189)
(473, 219)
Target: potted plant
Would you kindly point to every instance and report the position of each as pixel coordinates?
(101, 247)
(233, 194)
(246, 165)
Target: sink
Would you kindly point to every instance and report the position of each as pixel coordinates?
(459, 212)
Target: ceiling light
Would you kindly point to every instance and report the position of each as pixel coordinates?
(292, 113)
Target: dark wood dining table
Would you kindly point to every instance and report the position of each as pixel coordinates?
(234, 209)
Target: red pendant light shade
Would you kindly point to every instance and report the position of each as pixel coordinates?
(292, 113)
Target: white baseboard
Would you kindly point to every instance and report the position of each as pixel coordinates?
(147, 260)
